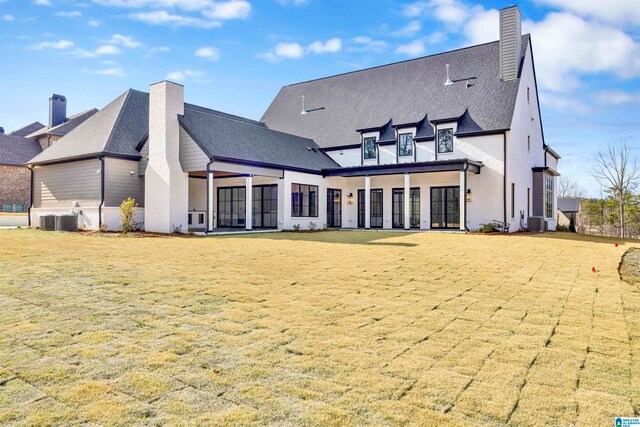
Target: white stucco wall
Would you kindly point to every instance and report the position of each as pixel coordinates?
(284, 203)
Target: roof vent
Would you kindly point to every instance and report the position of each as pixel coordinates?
(304, 109)
(448, 82)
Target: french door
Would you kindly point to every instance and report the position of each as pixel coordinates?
(361, 208)
(445, 207)
(334, 208)
(231, 207)
(375, 206)
(398, 208)
(264, 207)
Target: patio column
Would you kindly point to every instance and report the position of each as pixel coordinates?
(407, 201)
(248, 197)
(367, 202)
(210, 221)
(463, 199)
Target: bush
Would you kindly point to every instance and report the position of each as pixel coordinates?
(296, 227)
(102, 227)
(127, 215)
(562, 228)
(491, 227)
(312, 226)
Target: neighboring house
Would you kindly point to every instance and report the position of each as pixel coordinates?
(21, 145)
(569, 209)
(447, 141)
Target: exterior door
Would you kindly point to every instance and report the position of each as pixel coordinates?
(231, 207)
(334, 208)
(361, 208)
(265, 206)
(397, 208)
(376, 208)
(445, 207)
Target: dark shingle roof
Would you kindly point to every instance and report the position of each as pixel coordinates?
(225, 136)
(16, 150)
(116, 129)
(64, 128)
(404, 91)
(28, 129)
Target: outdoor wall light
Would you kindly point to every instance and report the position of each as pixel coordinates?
(468, 195)
(350, 198)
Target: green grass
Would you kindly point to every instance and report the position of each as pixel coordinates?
(329, 328)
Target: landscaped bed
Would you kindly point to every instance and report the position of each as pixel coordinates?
(331, 328)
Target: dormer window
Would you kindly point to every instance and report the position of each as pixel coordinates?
(370, 148)
(405, 144)
(445, 140)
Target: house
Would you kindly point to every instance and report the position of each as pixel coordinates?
(446, 141)
(21, 145)
(568, 213)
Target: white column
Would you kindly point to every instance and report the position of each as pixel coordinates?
(463, 199)
(407, 201)
(248, 201)
(367, 202)
(210, 219)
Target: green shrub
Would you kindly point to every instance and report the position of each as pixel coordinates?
(491, 227)
(127, 215)
(562, 228)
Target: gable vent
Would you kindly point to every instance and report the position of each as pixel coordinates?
(510, 43)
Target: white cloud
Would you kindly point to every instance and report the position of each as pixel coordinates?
(126, 41)
(233, 9)
(162, 17)
(611, 11)
(483, 27)
(415, 48)
(367, 44)
(409, 30)
(330, 46)
(70, 14)
(207, 52)
(289, 50)
(293, 2)
(42, 2)
(564, 103)
(617, 97)
(93, 23)
(187, 5)
(183, 75)
(8, 18)
(448, 11)
(113, 71)
(159, 49)
(60, 45)
(107, 50)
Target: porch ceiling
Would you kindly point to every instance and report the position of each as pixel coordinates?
(456, 165)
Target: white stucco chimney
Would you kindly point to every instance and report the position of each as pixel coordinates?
(510, 43)
(166, 185)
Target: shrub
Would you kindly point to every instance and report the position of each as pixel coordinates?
(491, 227)
(102, 228)
(562, 228)
(127, 214)
(312, 226)
(296, 227)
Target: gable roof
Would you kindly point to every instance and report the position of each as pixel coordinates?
(28, 129)
(117, 129)
(403, 91)
(225, 136)
(569, 204)
(64, 128)
(16, 150)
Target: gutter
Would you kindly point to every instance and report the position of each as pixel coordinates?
(465, 169)
(504, 177)
(101, 191)
(30, 197)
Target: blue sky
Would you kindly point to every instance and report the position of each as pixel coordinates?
(234, 55)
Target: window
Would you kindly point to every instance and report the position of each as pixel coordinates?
(528, 202)
(528, 96)
(200, 218)
(529, 143)
(370, 148)
(304, 200)
(513, 200)
(190, 221)
(445, 141)
(8, 207)
(548, 196)
(405, 144)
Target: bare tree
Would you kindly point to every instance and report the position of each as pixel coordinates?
(567, 187)
(617, 171)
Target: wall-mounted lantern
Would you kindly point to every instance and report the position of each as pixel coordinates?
(468, 194)
(350, 198)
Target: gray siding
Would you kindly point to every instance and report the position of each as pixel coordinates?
(192, 158)
(537, 196)
(144, 152)
(57, 186)
(120, 183)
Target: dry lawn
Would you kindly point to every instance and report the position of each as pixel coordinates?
(332, 328)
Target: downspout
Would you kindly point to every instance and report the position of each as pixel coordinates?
(30, 197)
(465, 169)
(435, 141)
(101, 192)
(504, 177)
(208, 195)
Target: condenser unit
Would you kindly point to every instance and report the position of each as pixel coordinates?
(48, 222)
(536, 224)
(66, 223)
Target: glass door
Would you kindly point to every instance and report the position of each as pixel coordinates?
(376, 208)
(398, 208)
(265, 206)
(361, 208)
(231, 207)
(334, 208)
(445, 207)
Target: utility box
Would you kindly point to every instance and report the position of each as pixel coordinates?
(537, 224)
(66, 223)
(48, 222)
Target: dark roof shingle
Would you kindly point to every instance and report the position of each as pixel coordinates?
(16, 150)
(28, 129)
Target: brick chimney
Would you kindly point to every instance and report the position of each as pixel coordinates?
(510, 43)
(57, 110)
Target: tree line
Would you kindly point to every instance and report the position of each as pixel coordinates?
(617, 211)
